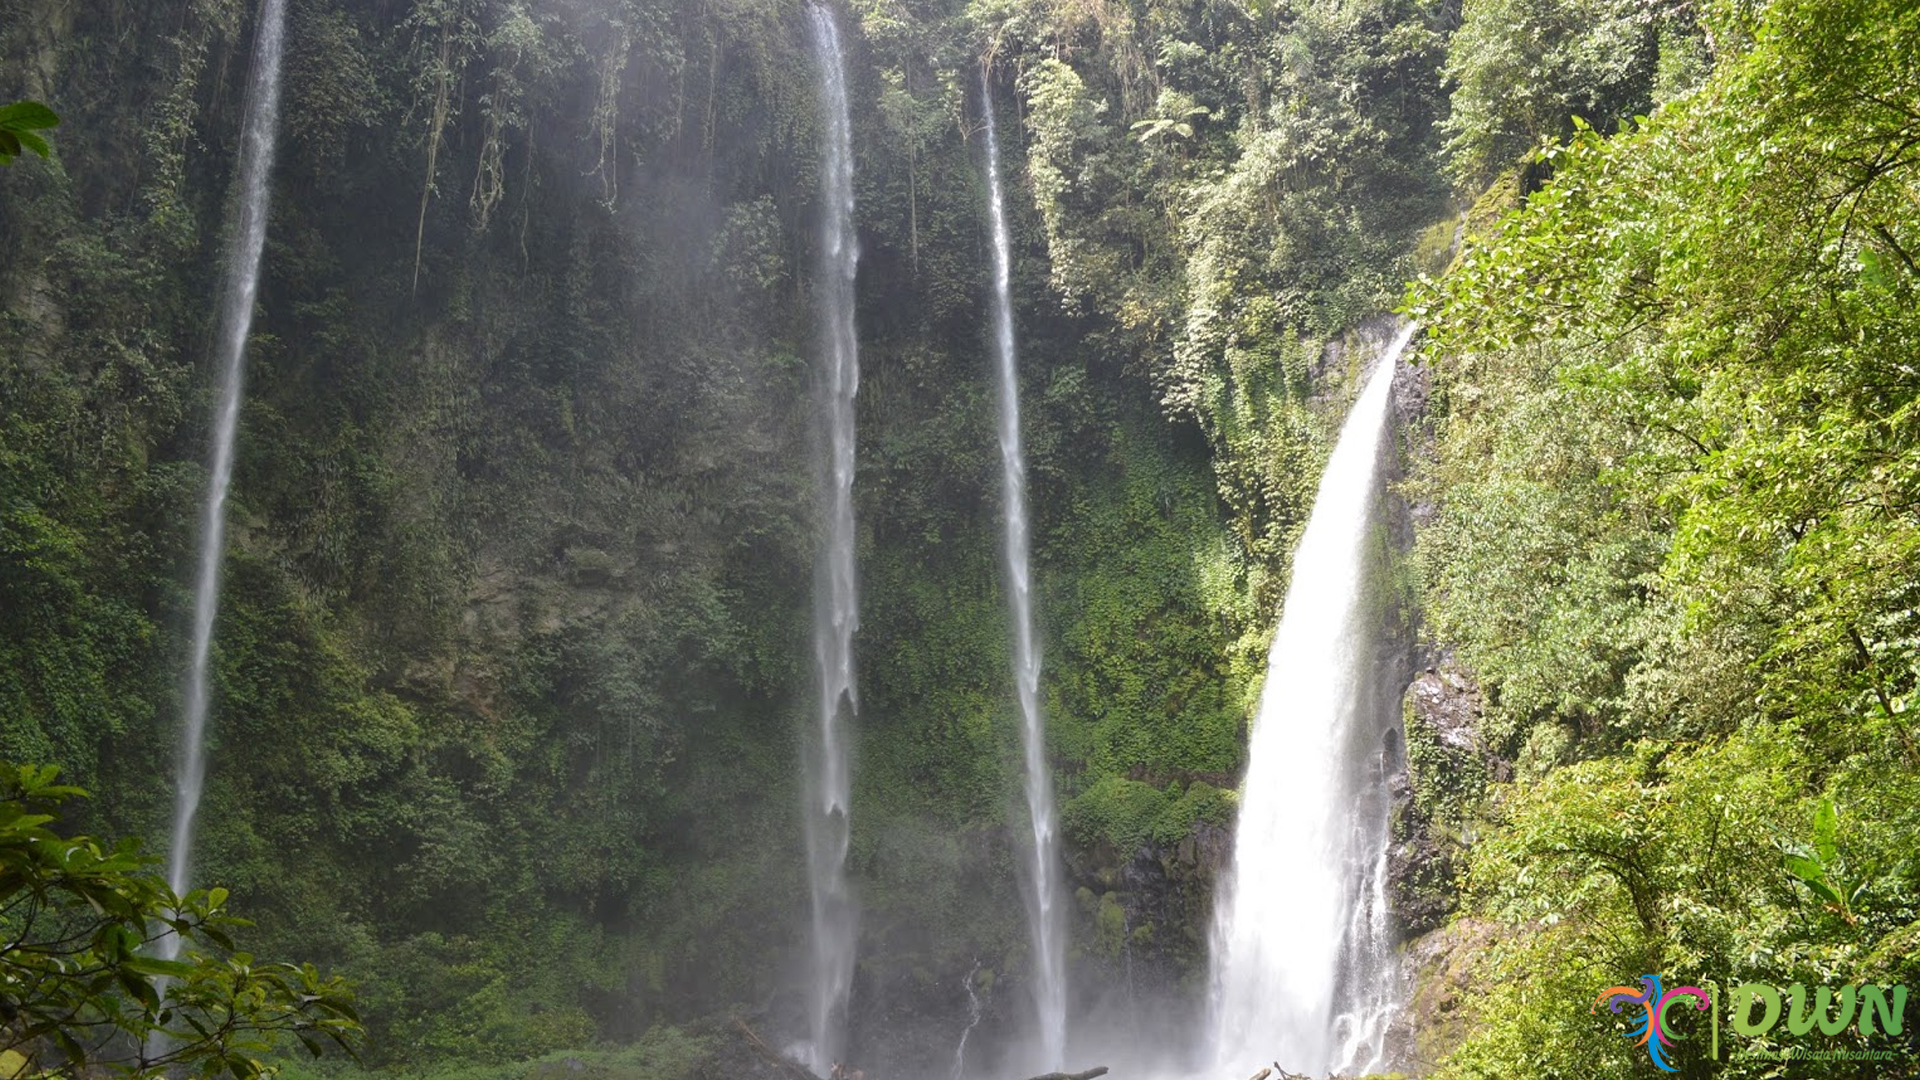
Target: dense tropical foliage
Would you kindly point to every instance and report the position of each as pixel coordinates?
(512, 658)
(1679, 538)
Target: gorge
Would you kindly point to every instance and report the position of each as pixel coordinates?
(608, 630)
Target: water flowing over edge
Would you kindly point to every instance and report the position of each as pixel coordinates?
(1045, 910)
(241, 290)
(836, 602)
(1302, 922)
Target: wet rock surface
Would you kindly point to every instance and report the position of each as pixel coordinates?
(1447, 769)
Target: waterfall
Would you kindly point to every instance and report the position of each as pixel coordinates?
(1044, 906)
(973, 1021)
(1301, 922)
(836, 610)
(241, 288)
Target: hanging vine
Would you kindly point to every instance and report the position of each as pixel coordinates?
(606, 111)
(455, 32)
(521, 56)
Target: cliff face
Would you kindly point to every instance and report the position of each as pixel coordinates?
(513, 650)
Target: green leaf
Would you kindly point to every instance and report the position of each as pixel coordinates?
(1873, 268)
(139, 990)
(160, 969)
(31, 116)
(1805, 869)
(1826, 827)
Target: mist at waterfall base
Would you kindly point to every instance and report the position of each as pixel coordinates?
(240, 289)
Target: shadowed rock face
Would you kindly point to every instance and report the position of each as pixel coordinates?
(1441, 709)
(1447, 768)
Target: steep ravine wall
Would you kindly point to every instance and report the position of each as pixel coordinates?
(513, 653)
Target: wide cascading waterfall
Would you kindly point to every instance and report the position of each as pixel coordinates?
(1301, 921)
(1044, 907)
(241, 289)
(836, 600)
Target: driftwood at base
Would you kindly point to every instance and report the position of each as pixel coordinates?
(1097, 1070)
(785, 1064)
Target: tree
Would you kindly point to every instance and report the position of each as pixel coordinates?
(80, 988)
(1523, 69)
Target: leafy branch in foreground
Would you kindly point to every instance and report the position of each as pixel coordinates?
(19, 123)
(80, 987)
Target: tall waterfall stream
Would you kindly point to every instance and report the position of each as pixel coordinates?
(1301, 948)
(1045, 902)
(240, 290)
(836, 597)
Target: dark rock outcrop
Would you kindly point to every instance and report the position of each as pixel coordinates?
(1447, 771)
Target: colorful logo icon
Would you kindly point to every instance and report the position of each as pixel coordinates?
(1653, 1032)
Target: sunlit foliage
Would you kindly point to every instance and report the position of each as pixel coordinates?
(1679, 488)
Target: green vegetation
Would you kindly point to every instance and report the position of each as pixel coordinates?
(513, 645)
(661, 1054)
(1677, 539)
(20, 125)
(81, 986)
(512, 659)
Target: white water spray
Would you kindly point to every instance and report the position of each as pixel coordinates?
(241, 290)
(1301, 924)
(836, 609)
(1044, 905)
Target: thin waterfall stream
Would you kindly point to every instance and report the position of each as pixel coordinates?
(1045, 908)
(973, 1021)
(240, 291)
(827, 784)
(1301, 925)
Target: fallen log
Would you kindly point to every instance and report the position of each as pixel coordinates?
(1097, 1070)
(793, 1069)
